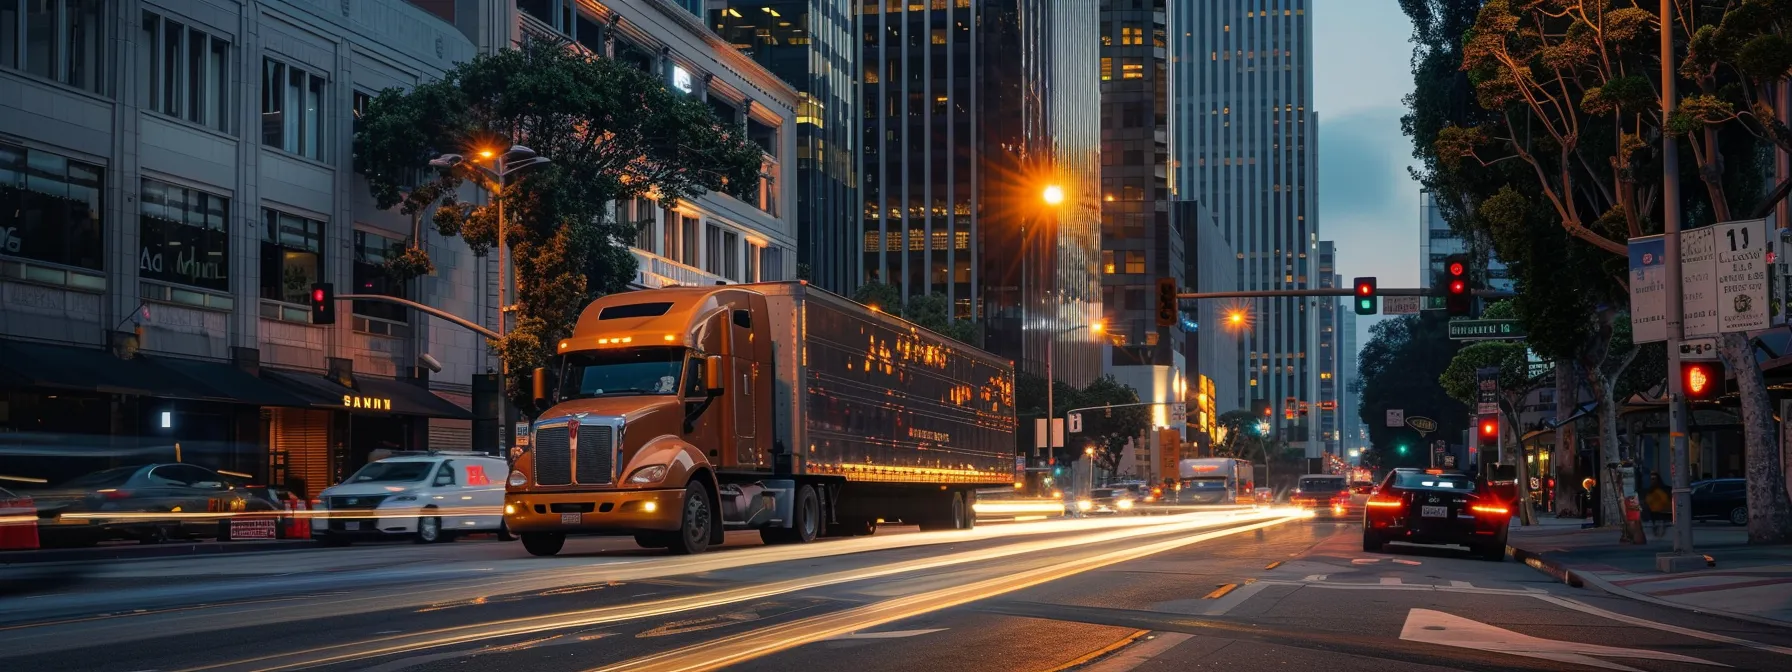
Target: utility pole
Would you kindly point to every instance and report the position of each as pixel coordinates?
(1682, 557)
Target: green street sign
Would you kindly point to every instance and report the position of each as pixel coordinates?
(1486, 330)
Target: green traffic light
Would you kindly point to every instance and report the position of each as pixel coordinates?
(1403, 450)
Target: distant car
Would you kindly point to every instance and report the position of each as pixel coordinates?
(149, 503)
(1327, 496)
(1436, 507)
(1109, 501)
(429, 497)
(1362, 488)
(1721, 499)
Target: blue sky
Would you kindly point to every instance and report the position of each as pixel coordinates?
(1367, 202)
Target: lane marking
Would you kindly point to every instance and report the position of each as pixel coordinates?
(1391, 581)
(1314, 577)
(1404, 561)
(727, 651)
(1092, 655)
(1461, 584)
(1642, 622)
(1221, 591)
(1134, 656)
(1435, 627)
(1274, 565)
(887, 634)
(1223, 606)
(383, 646)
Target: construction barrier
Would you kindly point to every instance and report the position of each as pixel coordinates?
(18, 524)
(295, 525)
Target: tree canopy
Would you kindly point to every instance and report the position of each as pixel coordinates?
(1400, 366)
(930, 311)
(611, 133)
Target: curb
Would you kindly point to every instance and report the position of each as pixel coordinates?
(1561, 572)
(149, 552)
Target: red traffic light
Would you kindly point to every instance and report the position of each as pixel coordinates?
(1489, 428)
(1700, 380)
(1457, 287)
(1456, 269)
(317, 295)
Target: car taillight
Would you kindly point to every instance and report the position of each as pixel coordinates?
(1386, 502)
(1491, 509)
(114, 493)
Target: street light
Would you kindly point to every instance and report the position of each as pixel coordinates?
(1053, 195)
(514, 159)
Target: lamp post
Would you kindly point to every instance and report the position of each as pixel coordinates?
(504, 163)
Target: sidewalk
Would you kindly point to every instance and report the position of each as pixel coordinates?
(1751, 583)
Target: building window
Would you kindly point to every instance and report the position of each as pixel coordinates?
(712, 253)
(688, 236)
(371, 252)
(1107, 262)
(291, 109)
(1131, 68)
(50, 208)
(1107, 68)
(185, 236)
(186, 71)
(63, 40)
(1132, 35)
(731, 256)
(291, 256)
(771, 264)
(1135, 261)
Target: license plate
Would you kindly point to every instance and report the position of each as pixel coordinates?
(351, 525)
(569, 519)
(1434, 511)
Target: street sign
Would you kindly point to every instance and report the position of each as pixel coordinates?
(1396, 417)
(1423, 425)
(1487, 390)
(522, 435)
(1039, 435)
(1020, 463)
(1400, 305)
(1702, 349)
(1076, 423)
(1178, 414)
(1742, 275)
(1698, 277)
(1648, 289)
(1486, 330)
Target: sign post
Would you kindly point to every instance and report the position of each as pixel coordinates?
(1486, 330)
(1400, 305)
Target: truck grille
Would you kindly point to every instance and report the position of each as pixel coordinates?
(354, 502)
(553, 456)
(595, 462)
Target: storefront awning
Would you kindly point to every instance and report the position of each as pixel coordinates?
(369, 395)
(67, 367)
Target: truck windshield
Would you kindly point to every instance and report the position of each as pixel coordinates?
(634, 371)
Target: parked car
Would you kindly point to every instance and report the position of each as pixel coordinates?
(149, 503)
(428, 496)
(1721, 499)
(1433, 506)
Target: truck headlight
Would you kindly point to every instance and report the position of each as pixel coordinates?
(1124, 504)
(1084, 505)
(649, 474)
(517, 479)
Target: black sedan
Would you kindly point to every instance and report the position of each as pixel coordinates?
(1436, 507)
(149, 503)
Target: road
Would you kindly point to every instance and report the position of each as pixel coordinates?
(1235, 589)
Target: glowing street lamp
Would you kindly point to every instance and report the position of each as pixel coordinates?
(1053, 195)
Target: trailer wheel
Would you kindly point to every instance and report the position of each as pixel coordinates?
(967, 510)
(949, 513)
(807, 523)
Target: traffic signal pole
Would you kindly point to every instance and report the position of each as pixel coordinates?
(1682, 557)
(1342, 291)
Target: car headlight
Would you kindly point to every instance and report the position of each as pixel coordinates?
(517, 479)
(649, 474)
(1084, 505)
(1124, 504)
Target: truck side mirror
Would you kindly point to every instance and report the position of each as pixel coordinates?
(712, 374)
(541, 386)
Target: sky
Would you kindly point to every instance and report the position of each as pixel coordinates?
(1368, 204)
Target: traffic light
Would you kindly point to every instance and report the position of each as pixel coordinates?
(1166, 302)
(1365, 296)
(323, 303)
(1261, 408)
(1488, 432)
(1700, 381)
(1402, 448)
(1456, 285)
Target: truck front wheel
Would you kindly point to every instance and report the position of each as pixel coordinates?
(692, 536)
(543, 543)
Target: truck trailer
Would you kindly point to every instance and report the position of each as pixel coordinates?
(675, 414)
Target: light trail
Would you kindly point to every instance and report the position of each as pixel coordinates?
(746, 646)
(405, 643)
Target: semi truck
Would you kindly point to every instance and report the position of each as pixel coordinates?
(1215, 480)
(676, 414)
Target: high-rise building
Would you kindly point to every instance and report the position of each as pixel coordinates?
(812, 45)
(970, 110)
(1350, 426)
(1437, 241)
(1244, 134)
(1217, 327)
(1322, 412)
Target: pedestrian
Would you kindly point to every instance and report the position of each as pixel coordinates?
(1660, 505)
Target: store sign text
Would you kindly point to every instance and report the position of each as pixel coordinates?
(367, 403)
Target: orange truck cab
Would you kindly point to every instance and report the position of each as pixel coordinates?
(673, 415)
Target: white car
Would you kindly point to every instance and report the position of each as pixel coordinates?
(431, 497)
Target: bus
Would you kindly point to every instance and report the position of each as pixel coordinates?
(1215, 480)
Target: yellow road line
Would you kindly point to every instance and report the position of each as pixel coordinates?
(1221, 591)
(1092, 655)
(1274, 565)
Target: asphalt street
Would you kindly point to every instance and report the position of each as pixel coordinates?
(1230, 589)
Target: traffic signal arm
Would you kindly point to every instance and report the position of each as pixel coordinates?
(1340, 291)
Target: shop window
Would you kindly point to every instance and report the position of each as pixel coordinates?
(68, 41)
(50, 208)
(187, 73)
(371, 252)
(291, 256)
(292, 118)
(184, 237)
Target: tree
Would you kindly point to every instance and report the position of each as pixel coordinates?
(930, 312)
(1563, 129)
(1240, 426)
(1461, 381)
(1110, 430)
(612, 133)
(1399, 368)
